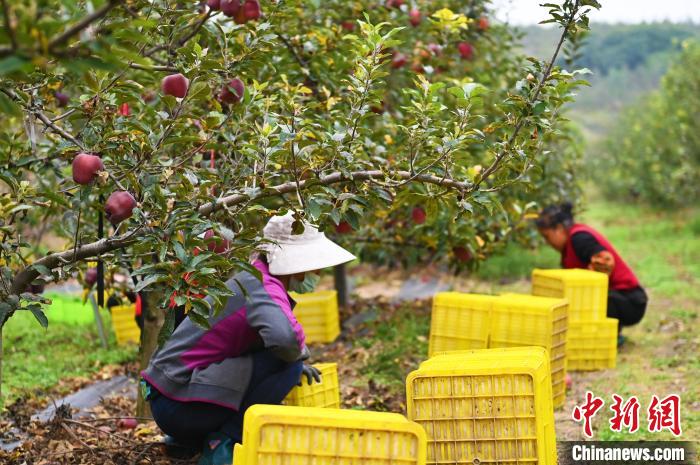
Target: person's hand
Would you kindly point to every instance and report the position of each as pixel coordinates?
(311, 374)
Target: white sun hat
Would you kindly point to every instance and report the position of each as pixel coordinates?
(311, 250)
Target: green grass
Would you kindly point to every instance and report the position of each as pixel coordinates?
(515, 262)
(397, 342)
(36, 359)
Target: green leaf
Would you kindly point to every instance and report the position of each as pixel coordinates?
(199, 319)
(152, 279)
(39, 315)
(9, 106)
(14, 63)
(167, 329)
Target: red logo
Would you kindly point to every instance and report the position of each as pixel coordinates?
(665, 414)
(587, 411)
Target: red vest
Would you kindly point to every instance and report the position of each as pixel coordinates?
(622, 276)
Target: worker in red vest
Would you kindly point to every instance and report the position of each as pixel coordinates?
(583, 247)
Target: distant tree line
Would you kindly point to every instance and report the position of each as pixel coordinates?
(653, 153)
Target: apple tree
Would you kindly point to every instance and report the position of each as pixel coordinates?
(159, 136)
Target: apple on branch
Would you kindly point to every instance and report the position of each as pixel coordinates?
(418, 215)
(119, 207)
(175, 85)
(232, 92)
(85, 168)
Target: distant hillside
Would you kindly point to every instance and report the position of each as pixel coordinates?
(627, 62)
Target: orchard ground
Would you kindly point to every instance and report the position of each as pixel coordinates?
(660, 356)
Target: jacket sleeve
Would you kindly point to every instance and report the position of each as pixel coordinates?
(278, 327)
(585, 246)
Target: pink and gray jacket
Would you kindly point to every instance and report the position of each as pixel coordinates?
(214, 365)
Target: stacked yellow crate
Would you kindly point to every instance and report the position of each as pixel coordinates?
(592, 337)
(459, 321)
(325, 394)
(279, 434)
(471, 321)
(491, 406)
(318, 314)
(124, 324)
(525, 320)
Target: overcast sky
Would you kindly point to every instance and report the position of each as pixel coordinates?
(613, 11)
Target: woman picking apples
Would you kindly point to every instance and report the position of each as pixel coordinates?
(581, 246)
(200, 383)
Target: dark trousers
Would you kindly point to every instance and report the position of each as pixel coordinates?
(190, 422)
(628, 306)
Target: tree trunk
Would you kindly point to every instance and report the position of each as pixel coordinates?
(341, 284)
(153, 318)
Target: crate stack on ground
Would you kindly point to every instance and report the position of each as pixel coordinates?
(524, 320)
(279, 434)
(318, 314)
(491, 406)
(592, 337)
(124, 324)
(325, 394)
(472, 321)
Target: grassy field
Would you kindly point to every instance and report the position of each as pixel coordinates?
(36, 360)
(660, 356)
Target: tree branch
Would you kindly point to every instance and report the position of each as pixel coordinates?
(103, 246)
(82, 24)
(182, 41)
(45, 119)
(545, 76)
(167, 69)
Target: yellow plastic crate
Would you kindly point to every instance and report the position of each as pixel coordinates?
(325, 394)
(317, 313)
(125, 327)
(459, 321)
(525, 320)
(592, 345)
(586, 291)
(286, 435)
(491, 406)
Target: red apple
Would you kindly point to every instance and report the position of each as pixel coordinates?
(230, 7)
(343, 228)
(483, 23)
(61, 99)
(127, 423)
(86, 167)
(214, 4)
(462, 253)
(466, 50)
(215, 243)
(232, 92)
(124, 109)
(394, 3)
(119, 207)
(399, 61)
(418, 68)
(251, 9)
(348, 25)
(414, 17)
(175, 85)
(418, 215)
(91, 276)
